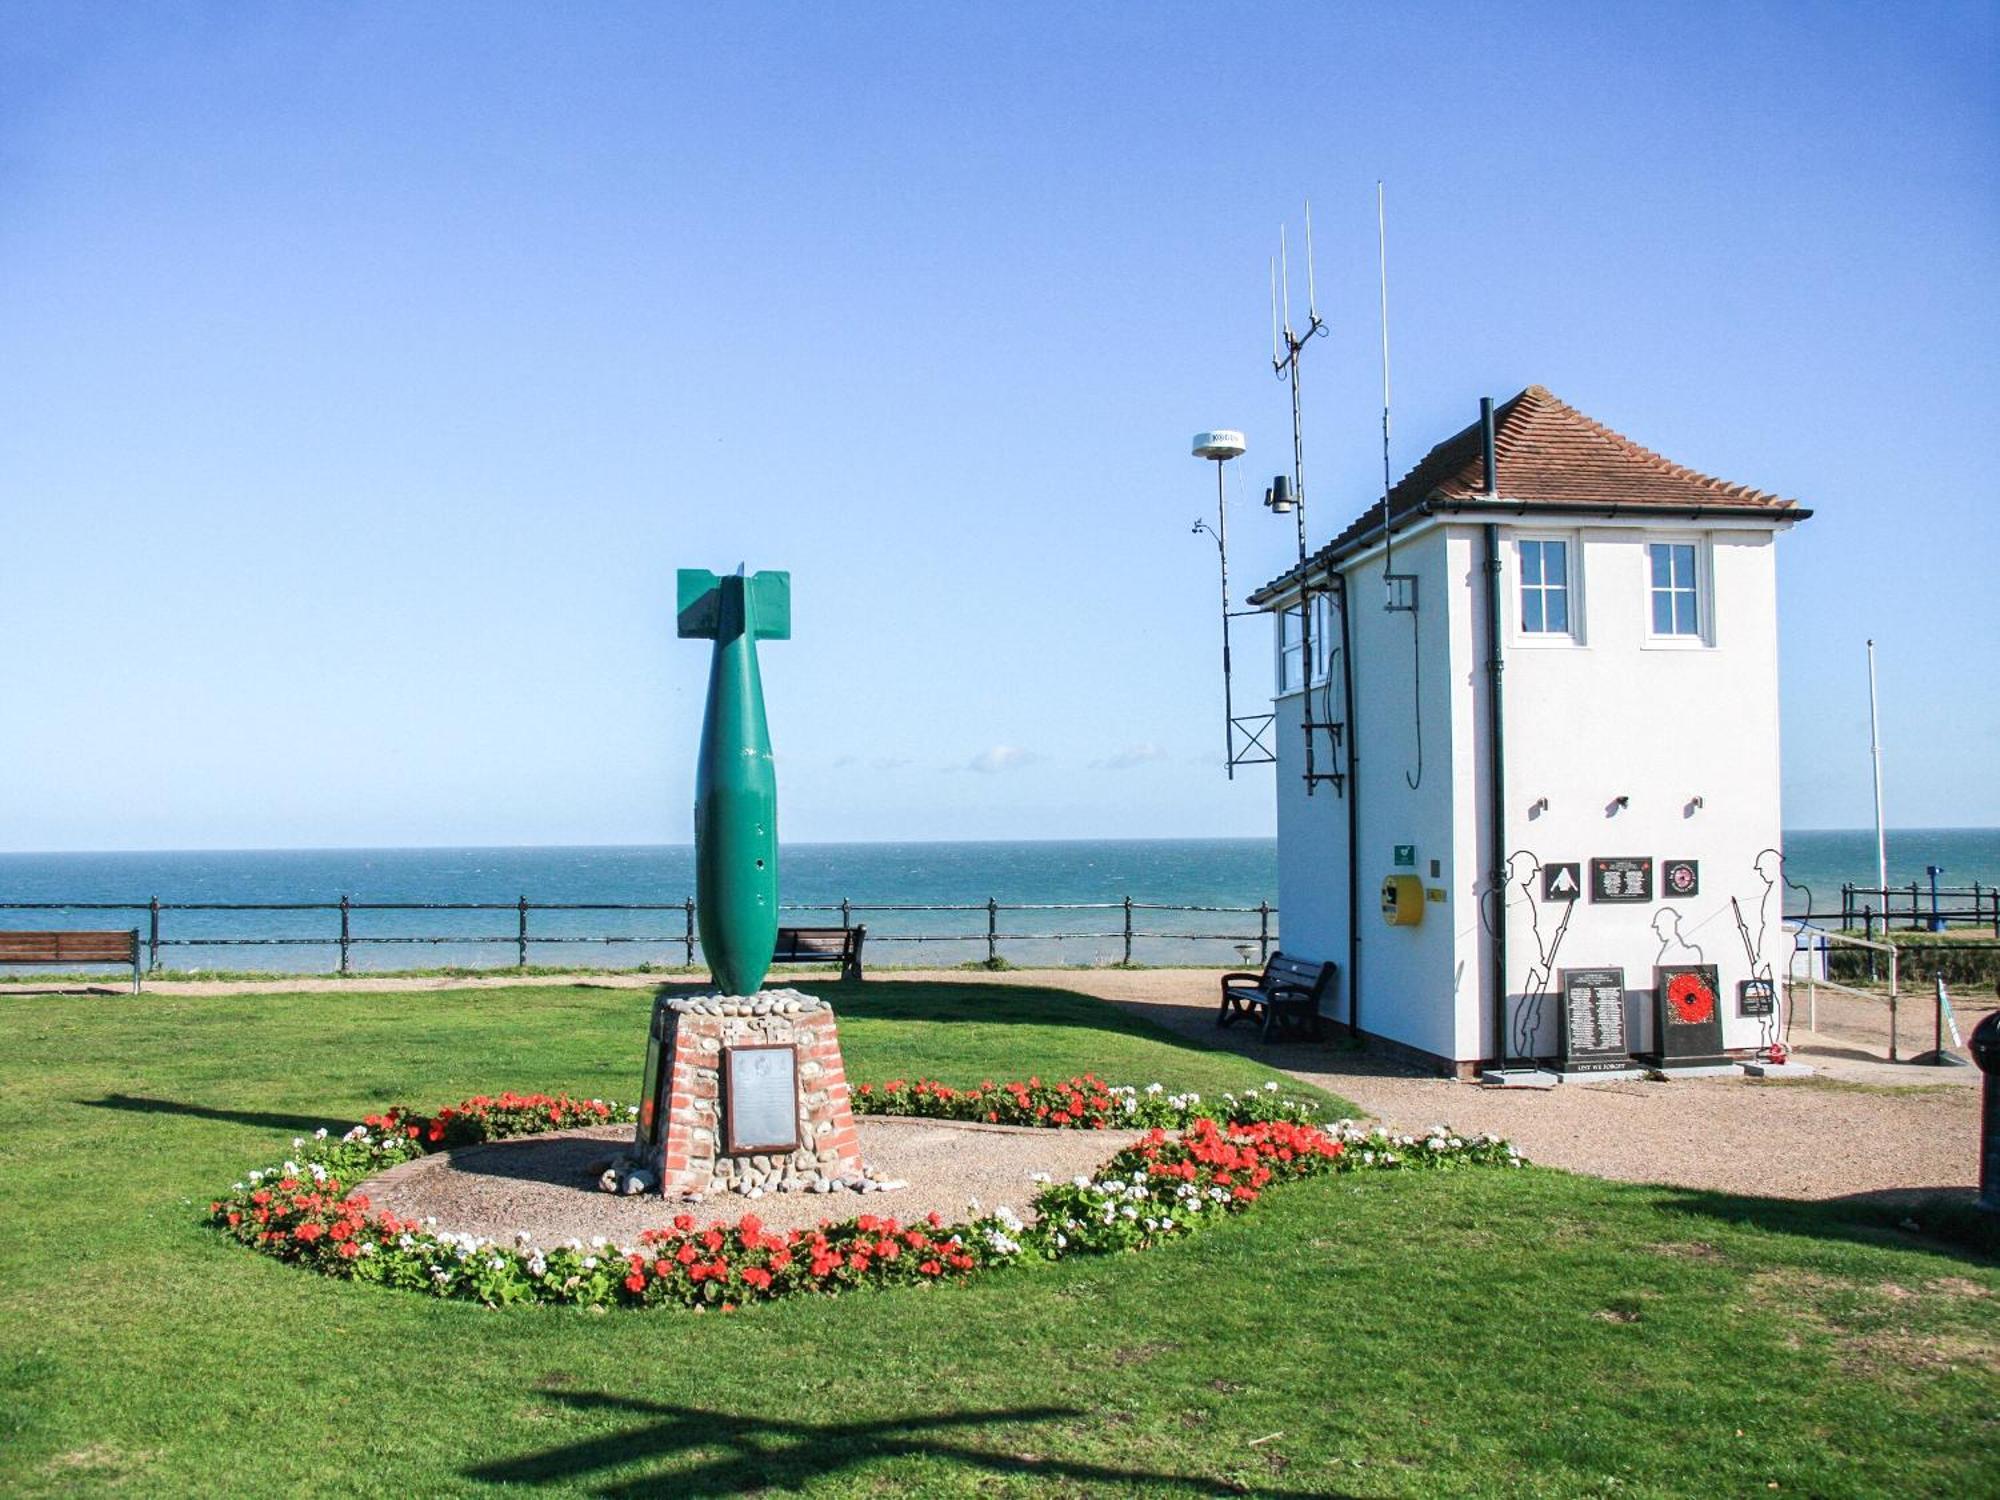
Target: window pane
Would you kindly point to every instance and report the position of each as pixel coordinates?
(1663, 612)
(1531, 562)
(1555, 563)
(1531, 609)
(1684, 613)
(1683, 567)
(1663, 565)
(1558, 610)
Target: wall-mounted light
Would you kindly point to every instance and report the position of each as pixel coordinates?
(1539, 806)
(1695, 805)
(1616, 806)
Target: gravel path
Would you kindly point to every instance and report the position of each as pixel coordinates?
(1862, 1126)
(543, 1184)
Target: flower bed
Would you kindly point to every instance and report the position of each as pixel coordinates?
(304, 1210)
(1085, 1103)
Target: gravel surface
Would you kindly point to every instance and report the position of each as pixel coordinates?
(543, 1184)
(1863, 1126)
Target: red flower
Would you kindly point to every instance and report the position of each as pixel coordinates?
(757, 1277)
(930, 1268)
(635, 1283)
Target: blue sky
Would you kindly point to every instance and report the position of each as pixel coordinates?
(368, 370)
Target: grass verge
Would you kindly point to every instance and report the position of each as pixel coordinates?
(1470, 1333)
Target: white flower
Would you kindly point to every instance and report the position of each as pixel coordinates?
(521, 1236)
(320, 1134)
(1271, 1087)
(1061, 1238)
(1040, 1177)
(1155, 1088)
(590, 1263)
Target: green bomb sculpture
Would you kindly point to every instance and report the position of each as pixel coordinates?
(735, 786)
(744, 1089)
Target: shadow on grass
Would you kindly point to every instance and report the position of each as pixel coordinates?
(1944, 1220)
(985, 1003)
(139, 1104)
(756, 1452)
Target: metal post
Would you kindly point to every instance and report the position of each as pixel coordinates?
(1937, 922)
(687, 939)
(1128, 931)
(1894, 992)
(521, 936)
(1868, 931)
(344, 934)
(1916, 922)
(846, 914)
(1263, 932)
(992, 933)
(153, 937)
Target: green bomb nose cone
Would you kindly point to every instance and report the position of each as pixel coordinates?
(736, 785)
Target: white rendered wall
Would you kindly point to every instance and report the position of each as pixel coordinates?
(1615, 714)
(1407, 973)
(1611, 714)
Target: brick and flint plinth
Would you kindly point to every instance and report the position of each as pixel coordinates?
(744, 1094)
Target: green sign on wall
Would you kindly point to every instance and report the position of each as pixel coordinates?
(1406, 856)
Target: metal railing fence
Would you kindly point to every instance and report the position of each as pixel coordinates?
(985, 930)
(1916, 907)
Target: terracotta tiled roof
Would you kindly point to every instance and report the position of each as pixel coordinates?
(1550, 455)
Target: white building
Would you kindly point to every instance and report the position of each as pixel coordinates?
(1620, 735)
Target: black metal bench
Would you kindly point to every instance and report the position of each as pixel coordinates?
(1287, 993)
(65, 949)
(822, 945)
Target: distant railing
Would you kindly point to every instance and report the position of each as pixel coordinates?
(984, 930)
(1919, 908)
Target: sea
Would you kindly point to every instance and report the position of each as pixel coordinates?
(1053, 902)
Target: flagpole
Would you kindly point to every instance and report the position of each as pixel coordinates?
(1875, 754)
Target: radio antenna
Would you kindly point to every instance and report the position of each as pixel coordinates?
(1382, 271)
(1287, 352)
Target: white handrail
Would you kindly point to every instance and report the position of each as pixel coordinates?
(1826, 935)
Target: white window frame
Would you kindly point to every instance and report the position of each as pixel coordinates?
(1517, 633)
(1289, 650)
(1703, 635)
(1290, 668)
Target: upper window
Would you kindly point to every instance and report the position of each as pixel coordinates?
(1291, 650)
(1544, 587)
(1676, 589)
(1292, 634)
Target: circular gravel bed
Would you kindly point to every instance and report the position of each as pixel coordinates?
(543, 1185)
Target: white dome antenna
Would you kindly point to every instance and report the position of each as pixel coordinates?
(1221, 445)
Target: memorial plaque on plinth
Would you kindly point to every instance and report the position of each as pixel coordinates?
(1593, 1021)
(1688, 1015)
(1755, 997)
(760, 1098)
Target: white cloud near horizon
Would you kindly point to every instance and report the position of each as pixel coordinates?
(1001, 758)
(1131, 756)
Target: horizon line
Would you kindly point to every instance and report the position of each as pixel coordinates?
(1217, 838)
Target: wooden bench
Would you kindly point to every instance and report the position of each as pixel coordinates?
(822, 945)
(69, 948)
(1288, 993)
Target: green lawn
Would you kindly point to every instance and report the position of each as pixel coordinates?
(1479, 1332)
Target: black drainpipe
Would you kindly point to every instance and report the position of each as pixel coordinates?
(1496, 757)
(1353, 819)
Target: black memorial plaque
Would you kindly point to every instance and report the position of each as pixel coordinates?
(1562, 882)
(1621, 878)
(1593, 1021)
(760, 1098)
(1754, 997)
(1680, 877)
(1688, 1013)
